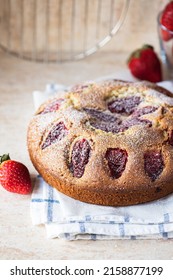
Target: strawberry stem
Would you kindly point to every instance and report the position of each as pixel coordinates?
(4, 157)
(146, 46)
(137, 52)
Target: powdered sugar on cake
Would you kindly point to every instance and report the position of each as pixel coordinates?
(107, 143)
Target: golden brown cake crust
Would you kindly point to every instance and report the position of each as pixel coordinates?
(107, 143)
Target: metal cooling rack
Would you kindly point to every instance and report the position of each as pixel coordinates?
(59, 30)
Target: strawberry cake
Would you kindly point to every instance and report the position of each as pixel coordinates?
(107, 143)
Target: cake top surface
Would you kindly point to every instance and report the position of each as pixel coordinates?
(110, 106)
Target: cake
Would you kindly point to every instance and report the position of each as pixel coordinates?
(107, 143)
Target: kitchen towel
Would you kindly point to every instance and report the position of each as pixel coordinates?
(67, 218)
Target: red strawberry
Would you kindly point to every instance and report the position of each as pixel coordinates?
(145, 65)
(166, 35)
(14, 176)
(167, 22)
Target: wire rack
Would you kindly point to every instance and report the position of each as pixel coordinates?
(59, 30)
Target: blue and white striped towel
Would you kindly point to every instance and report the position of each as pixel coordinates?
(70, 219)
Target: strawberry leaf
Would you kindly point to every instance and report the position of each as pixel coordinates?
(4, 157)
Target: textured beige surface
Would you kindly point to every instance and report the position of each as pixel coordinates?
(18, 238)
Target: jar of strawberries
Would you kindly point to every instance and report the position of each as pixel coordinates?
(165, 31)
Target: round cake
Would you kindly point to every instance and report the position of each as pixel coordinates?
(107, 143)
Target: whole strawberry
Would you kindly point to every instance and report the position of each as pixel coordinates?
(14, 176)
(144, 64)
(166, 21)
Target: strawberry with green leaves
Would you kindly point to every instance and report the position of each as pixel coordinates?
(14, 176)
(144, 64)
